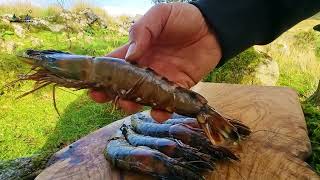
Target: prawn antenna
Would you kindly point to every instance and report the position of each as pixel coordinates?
(21, 78)
(54, 100)
(35, 89)
(114, 106)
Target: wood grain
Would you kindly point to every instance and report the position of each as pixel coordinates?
(276, 149)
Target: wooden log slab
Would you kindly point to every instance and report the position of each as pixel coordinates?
(275, 150)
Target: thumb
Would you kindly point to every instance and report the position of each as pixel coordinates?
(146, 30)
(140, 40)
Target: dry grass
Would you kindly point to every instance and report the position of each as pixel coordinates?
(79, 5)
(295, 52)
(20, 7)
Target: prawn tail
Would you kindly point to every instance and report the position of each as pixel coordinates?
(242, 129)
(198, 166)
(221, 153)
(188, 170)
(193, 154)
(218, 128)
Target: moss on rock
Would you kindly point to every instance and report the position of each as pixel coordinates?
(249, 67)
(23, 168)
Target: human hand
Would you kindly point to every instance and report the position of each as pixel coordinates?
(175, 41)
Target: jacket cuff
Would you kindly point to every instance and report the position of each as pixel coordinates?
(236, 26)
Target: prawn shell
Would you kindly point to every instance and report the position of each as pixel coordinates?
(186, 134)
(171, 147)
(147, 161)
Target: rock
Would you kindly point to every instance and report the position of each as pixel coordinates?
(267, 72)
(9, 46)
(5, 21)
(78, 22)
(56, 27)
(68, 21)
(18, 29)
(7, 16)
(36, 42)
(23, 168)
(91, 17)
(40, 24)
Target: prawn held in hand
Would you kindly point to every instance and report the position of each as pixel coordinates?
(130, 82)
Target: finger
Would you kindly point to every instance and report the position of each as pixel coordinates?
(99, 97)
(119, 52)
(159, 115)
(147, 29)
(129, 107)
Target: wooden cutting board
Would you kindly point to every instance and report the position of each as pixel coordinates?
(276, 149)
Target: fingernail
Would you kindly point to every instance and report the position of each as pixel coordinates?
(131, 50)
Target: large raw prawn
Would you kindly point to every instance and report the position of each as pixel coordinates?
(130, 82)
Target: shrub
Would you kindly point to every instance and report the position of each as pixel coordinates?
(5, 27)
(312, 116)
(305, 39)
(318, 51)
(236, 68)
(52, 11)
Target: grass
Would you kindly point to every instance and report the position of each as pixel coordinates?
(244, 64)
(312, 115)
(31, 125)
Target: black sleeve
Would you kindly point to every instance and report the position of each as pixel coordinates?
(240, 24)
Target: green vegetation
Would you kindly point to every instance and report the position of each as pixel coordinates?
(25, 128)
(244, 63)
(312, 115)
(29, 132)
(297, 53)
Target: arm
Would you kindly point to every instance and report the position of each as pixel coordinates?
(242, 24)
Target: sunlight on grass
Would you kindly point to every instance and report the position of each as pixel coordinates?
(26, 123)
(295, 53)
(31, 125)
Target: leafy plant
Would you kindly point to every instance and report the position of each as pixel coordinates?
(236, 68)
(312, 115)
